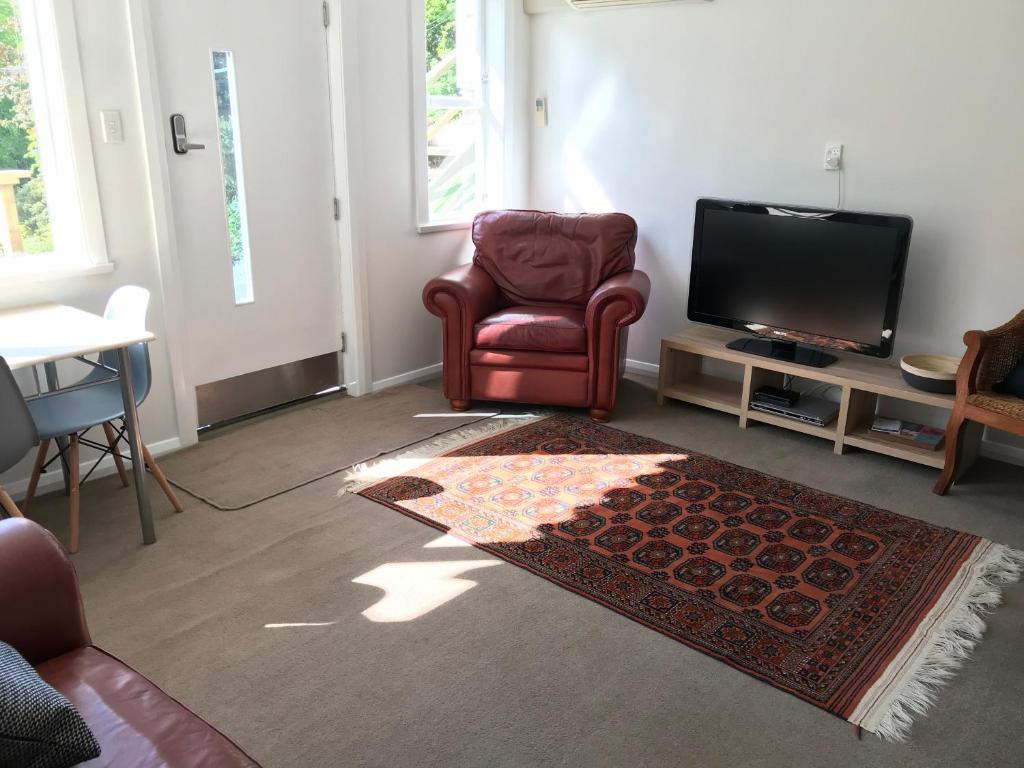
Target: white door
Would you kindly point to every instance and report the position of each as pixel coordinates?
(254, 209)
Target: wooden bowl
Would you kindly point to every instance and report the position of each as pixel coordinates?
(931, 373)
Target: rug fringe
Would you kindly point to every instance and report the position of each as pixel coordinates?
(951, 645)
(370, 472)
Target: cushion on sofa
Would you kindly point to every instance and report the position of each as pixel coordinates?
(39, 728)
(540, 329)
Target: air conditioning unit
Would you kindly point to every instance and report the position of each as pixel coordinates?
(544, 6)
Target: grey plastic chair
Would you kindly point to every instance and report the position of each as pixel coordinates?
(74, 412)
(19, 432)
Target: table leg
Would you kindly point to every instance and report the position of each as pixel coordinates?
(52, 385)
(131, 420)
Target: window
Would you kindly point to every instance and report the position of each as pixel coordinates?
(50, 205)
(459, 90)
(231, 173)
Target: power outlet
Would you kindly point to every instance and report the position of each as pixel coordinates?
(833, 157)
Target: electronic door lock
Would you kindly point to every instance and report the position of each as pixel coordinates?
(180, 135)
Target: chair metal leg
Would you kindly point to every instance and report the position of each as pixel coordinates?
(8, 505)
(73, 500)
(161, 479)
(37, 470)
(111, 434)
(954, 434)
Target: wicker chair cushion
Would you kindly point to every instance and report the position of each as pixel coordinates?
(1013, 384)
(1007, 405)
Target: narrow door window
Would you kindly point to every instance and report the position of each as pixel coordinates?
(233, 177)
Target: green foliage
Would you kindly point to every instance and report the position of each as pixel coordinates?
(18, 135)
(440, 17)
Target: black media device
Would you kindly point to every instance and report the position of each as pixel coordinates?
(798, 279)
(776, 396)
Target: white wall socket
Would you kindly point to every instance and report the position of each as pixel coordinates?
(833, 156)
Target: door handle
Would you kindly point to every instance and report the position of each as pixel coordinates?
(180, 135)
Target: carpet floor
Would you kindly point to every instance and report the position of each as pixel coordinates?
(255, 620)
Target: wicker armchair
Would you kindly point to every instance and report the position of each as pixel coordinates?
(991, 355)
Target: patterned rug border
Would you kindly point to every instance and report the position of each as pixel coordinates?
(909, 684)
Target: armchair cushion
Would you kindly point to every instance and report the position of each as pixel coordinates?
(540, 329)
(38, 726)
(1013, 384)
(549, 258)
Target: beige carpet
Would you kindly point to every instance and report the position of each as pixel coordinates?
(238, 466)
(513, 672)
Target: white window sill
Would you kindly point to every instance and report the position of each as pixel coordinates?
(444, 226)
(21, 274)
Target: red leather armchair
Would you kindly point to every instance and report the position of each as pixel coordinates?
(135, 722)
(542, 313)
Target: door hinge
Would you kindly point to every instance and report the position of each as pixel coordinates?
(327, 14)
(344, 342)
(337, 209)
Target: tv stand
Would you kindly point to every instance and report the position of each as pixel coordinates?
(784, 350)
(700, 366)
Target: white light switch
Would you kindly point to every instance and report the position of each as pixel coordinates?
(113, 131)
(540, 113)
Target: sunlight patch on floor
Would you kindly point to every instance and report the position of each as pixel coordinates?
(294, 624)
(414, 589)
(446, 541)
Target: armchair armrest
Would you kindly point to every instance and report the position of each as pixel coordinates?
(40, 606)
(619, 300)
(990, 356)
(460, 297)
(616, 304)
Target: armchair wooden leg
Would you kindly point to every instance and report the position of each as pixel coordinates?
(600, 415)
(8, 505)
(954, 433)
(74, 481)
(108, 430)
(161, 479)
(37, 470)
(460, 405)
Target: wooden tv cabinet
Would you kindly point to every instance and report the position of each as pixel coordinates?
(861, 379)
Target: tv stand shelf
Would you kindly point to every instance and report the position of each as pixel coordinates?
(861, 381)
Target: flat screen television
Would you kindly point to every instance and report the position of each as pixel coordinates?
(797, 279)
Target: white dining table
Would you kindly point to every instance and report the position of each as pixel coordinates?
(44, 334)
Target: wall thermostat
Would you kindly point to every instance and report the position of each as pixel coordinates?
(540, 112)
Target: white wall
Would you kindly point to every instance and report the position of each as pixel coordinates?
(652, 107)
(107, 70)
(404, 337)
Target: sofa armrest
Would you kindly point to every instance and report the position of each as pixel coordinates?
(461, 297)
(41, 611)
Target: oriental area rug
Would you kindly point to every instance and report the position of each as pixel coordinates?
(856, 610)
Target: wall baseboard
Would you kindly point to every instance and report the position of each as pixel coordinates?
(51, 481)
(409, 377)
(638, 366)
(1011, 454)
(990, 449)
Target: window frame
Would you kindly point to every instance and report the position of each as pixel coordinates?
(493, 105)
(65, 146)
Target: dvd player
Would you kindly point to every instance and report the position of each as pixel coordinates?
(810, 410)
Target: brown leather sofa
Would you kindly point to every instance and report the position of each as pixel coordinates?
(542, 313)
(136, 723)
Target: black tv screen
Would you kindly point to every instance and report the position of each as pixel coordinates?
(822, 277)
